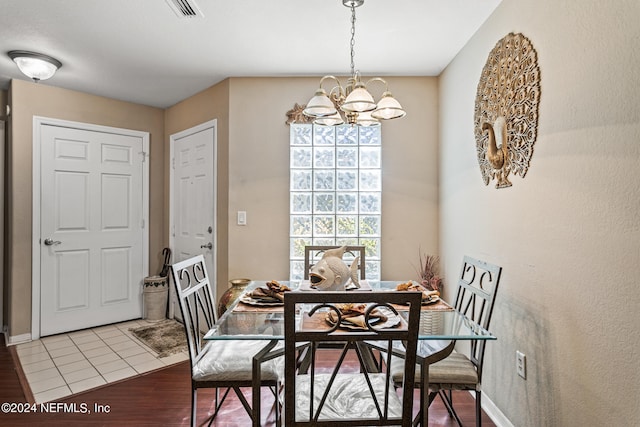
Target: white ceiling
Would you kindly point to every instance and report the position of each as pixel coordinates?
(141, 51)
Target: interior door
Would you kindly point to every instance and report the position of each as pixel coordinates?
(193, 195)
(91, 223)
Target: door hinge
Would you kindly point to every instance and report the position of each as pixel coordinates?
(142, 223)
(173, 163)
(144, 155)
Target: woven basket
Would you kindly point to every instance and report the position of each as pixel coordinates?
(155, 297)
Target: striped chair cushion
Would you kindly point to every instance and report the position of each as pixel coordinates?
(454, 369)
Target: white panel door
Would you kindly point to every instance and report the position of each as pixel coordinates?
(91, 224)
(193, 195)
(193, 179)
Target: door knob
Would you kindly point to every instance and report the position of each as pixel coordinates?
(50, 242)
(207, 246)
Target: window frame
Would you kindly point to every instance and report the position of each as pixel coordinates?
(335, 191)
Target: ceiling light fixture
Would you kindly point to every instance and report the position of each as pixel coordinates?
(36, 66)
(353, 104)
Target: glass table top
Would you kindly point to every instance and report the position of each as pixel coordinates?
(241, 321)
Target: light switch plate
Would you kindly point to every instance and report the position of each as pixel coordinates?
(242, 218)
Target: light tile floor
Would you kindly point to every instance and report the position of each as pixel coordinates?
(61, 365)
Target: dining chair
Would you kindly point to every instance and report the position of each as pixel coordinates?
(339, 394)
(475, 298)
(224, 364)
(312, 254)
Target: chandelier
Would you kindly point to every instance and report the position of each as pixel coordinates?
(352, 104)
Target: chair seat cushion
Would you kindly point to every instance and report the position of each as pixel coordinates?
(454, 369)
(233, 360)
(349, 397)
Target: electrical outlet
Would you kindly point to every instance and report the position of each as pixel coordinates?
(521, 364)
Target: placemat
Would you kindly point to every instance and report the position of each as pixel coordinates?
(242, 307)
(436, 306)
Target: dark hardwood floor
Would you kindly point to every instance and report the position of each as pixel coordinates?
(160, 398)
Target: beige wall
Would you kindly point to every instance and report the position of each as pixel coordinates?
(30, 99)
(259, 175)
(3, 104)
(568, 234)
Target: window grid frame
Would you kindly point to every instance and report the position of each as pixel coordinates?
(318, 218)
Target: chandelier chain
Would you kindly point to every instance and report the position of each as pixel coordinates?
(353, 39)
(352, 104)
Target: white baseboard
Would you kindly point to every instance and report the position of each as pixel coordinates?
(16, 339)
(496, 415)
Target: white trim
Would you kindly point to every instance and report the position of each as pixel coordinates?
(16, 339)
(198, 128)
(496, 415)
(38, 122)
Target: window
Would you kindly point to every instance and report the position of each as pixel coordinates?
(335, 191)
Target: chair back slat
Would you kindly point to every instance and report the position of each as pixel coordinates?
(307, 326)
(196, 300)
(475, 298)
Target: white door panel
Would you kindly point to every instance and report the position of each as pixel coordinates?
(92, 210)
(115, 281)
(70, 280)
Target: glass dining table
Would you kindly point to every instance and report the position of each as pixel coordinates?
(441, 326)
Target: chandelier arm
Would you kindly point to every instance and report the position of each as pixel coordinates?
(378, 79)
(338, 85)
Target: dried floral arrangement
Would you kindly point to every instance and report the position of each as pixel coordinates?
(429, 272)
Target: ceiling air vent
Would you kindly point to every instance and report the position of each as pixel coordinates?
(185, 8)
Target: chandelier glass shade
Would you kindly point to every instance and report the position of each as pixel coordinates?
(359, 100)
(352, 104)
(388, 108)
(320, 105)
(34, 65)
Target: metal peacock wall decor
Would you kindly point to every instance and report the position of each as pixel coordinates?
(506, 110)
